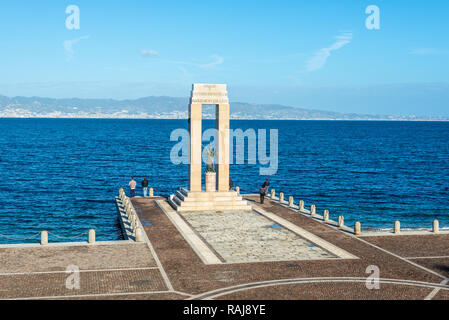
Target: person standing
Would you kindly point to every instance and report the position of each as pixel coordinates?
(231, 184)
(266, 185)
(262, 194)
(132, 186)
(145, 187)
(264, 190)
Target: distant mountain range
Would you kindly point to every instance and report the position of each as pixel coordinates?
(167, 108)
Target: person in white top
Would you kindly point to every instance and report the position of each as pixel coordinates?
(132, 186)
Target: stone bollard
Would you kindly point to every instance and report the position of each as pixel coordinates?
(273, 193)
(44, 238)
(281, 197)
(313, 210)
(132, 219)
(92, 237)
(326, 216)
(135, 219)
(237, 189)
(397, 227)
(301, 205)
(357, 228)
(151, 192)
(127, 209)
(341, 221)
(139, 235)
(436, 226)
(290, 202)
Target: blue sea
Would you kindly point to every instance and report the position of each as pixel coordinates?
(62, 175)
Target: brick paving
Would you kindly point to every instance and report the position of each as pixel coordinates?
(131, 271)
(440, 265)
(330, 291)
(52, 258)
(442, 295)
(414, 245)
(188, 274)
(91, 283)
(149, 296)
(105, 269)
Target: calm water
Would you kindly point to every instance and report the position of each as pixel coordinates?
(62, 175)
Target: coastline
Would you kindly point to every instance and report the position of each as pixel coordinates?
(46, 117)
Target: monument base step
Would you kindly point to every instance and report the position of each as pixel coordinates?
(186, 201)
(208, 197)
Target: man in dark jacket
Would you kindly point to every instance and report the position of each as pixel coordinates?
(264, 190)
(266, 185)
(262, 194)
(145, 187)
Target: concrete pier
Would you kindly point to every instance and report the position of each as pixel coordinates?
(414, 264)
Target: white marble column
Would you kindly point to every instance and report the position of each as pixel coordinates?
(195, 126)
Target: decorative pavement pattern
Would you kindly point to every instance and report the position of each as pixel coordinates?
(244, 236)
(167, 267)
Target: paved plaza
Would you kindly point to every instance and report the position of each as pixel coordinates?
(167, 266)
(245, 236)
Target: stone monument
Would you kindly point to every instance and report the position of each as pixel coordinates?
(209, 94)
(195, 199)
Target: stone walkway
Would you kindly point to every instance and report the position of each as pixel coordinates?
(167, 267)
(104, 270)
(301, 279)
(242, 236)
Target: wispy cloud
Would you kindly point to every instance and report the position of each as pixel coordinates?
(149, 53)
(217, 61)
(68, 46)
(428, 51)
(183, 70)
(319, 59)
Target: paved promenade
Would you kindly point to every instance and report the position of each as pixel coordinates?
(167, 266)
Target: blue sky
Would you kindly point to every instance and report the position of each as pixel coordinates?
(311, 54)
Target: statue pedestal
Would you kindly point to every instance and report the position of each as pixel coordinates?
(211, 182)
(187, 201)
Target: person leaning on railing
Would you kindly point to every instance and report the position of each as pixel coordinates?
(145, 187)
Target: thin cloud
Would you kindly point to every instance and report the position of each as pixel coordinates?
(68, 46)
(217, 61)
(320, 58)
(428, 51)
(149, 53)
(183, 70)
